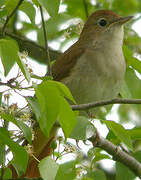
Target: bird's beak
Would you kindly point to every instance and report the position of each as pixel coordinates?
(122, 20)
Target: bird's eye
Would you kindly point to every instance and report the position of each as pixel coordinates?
(102, 22)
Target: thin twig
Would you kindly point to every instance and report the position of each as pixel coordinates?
(9, 84)
(8, 17)
(86, 8)
(105, 102)
(46, 42)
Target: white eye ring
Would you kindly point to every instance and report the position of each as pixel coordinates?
(102, 22)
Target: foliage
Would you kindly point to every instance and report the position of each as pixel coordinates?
(64, 23)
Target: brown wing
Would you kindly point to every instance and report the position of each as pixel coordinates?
(61, 68)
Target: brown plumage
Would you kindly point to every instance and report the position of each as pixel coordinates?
(66, 62)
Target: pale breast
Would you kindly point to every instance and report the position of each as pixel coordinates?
(96, 75)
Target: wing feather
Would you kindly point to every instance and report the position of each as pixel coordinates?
(62, 67)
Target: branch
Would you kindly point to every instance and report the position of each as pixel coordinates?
(105, 102)
(34, 50)
(117, 154)
(46, 42)
(8, 17)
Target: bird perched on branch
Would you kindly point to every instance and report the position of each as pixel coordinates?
(93, 68)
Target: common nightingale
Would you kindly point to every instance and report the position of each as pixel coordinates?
(93, 68)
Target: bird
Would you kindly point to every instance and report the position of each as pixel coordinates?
(93, 68)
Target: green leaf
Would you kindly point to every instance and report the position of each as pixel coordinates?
(24, 128)
(135, 86)
(135, 133)
(64, 91)
(48, 168)
(66, 117)
(34, 105)
(137, 156)
(132, 90)
(23, 69)
(97, 175)
(86, 178)
(66, 171)
(8, 53)
(123, 172)
(44, 78)
(132, 61)
(120, 132)
(135, 63)
(93, 151)
(20, 159)
(113, 138)
(7, 174)
(83, 129)
(100, 156)
(2, 154)
(28, 9)
(49, 102)
(36, 3)
(52, 106)
(10, 5)
(52, 6)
